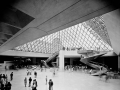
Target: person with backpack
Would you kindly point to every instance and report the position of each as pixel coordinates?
(50, 84)
(34, 86)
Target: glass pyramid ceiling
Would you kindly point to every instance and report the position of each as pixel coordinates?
(89, 35)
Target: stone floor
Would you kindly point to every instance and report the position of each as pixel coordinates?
(64, 81)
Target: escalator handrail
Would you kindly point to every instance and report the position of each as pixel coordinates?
(88, 62)
(45, 64)
(55, 54)
(53, 65)
(95, 63)
(50, 58)
(99, 64)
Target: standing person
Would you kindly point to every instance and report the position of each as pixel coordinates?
(9, 86)
(35, 73)
(27, 72)
(34, 86)
(46, 80)
(54, 72)
(11, 76)
(25, 81)
(35, 82)
(6, 77)
(30, 80)
(2, 86)
(6, 85)
(50, 84)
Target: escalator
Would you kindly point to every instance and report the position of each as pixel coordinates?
(54, 64)
(45, 64)
(54, 55)
(95, 65)
(99, 64)
(101, 71)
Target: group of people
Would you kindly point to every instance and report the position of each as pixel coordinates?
(33, 82)
(5, 84)
(108, 74)
(75, 68)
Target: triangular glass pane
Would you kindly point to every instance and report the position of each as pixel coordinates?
(87, 35)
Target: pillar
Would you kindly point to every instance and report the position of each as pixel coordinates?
(34, 61)
(71, 61)
(61, 60)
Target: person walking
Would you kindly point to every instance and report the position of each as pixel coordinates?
(46, 80)
(50, 84)
(35, 73)
(30, 80)
(1, 86)
(27, 72)
(5, 85)
(25, 81)
(9, 86)
(54, 72)
(34, 86)
(6, 77)
(11, 76)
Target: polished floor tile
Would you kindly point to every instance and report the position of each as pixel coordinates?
(64, 81)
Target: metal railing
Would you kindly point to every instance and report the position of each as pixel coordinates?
(100, 64)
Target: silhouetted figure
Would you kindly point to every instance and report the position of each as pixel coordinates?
(9, 86)
(50, 84)
(1, 86)
(35, 73)
(34, 86)
(63, 48)
(6, 68)
(30, 80)
(0, 76)
(46, 80)
(6, 77)
(6, 85)
(25, 81)
(54, 72)
(108, 76)
(11, 76)
(27, 72)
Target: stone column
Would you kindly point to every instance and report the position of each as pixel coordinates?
(61, 60)
(71, 61)
(34, 61)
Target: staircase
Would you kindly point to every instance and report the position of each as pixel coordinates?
(54, 55)
(95, 65)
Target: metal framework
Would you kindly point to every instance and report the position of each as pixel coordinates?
(89, 35)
